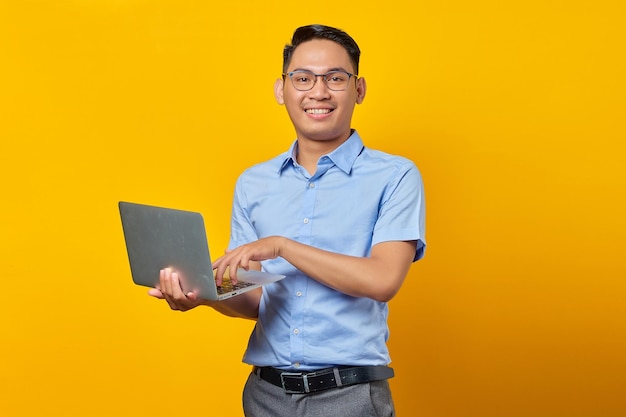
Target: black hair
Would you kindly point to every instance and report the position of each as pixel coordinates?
(310, 32)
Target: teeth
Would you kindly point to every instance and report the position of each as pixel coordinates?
(317, 111)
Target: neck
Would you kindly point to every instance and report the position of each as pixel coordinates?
(310, 151)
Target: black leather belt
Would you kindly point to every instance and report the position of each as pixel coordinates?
(306, 382)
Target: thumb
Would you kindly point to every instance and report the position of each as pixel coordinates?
(155, 293)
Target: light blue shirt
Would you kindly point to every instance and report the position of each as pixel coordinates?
(358, 197)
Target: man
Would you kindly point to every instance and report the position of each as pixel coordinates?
(343, 222)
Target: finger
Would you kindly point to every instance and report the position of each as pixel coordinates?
(216, 264)
(171, 290)
(244, 263)
(220, 271)
(177, 290)
(178, 298)
(232, 272)
(163, 283)
(155, 292)
(165, 277)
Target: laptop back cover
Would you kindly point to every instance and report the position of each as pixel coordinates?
(158, 238)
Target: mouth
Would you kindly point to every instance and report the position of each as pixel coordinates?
(318, 111)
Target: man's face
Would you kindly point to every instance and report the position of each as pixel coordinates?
(320, 114)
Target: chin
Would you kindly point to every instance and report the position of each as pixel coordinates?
(321, 136)
(325, 135)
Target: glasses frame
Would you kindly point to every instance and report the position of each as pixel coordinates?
(291, 74)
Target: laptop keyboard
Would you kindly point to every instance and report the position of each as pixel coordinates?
(227, 286)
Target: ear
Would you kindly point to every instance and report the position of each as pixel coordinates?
(278, 91)
(361, 87)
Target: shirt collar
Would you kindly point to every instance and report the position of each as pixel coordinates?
(343, 157)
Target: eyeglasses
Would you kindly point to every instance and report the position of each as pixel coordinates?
(304, 80)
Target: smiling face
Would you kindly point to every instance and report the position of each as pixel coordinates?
(320, 114)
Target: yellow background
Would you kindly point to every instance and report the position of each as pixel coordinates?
(514, 112)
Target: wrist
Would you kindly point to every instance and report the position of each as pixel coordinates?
(208, 303)
(281, 245)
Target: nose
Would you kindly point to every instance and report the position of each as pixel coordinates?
(319, 90)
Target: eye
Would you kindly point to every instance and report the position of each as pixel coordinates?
(336, 77)
(301, 77)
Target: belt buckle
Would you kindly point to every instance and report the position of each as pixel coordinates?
(285, 377)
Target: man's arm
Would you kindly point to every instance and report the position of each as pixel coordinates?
(378, 276)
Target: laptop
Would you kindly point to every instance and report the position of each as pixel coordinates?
(158, 237)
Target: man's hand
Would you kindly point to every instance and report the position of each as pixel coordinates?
(245, 257)
(171, 291)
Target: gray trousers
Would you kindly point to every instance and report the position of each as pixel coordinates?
(262, 399)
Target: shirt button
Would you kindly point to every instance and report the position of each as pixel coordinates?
(311, 185)
(306, 220)
(296, 331)
(299, 294)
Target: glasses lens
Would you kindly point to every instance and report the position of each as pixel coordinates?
(302, 80)
(337, 80)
